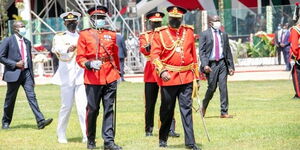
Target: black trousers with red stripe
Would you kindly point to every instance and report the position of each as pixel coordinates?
(296, 79)
(151, 93)
(96, 93)
(168, 101)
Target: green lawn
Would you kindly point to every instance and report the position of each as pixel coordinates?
(265, 118)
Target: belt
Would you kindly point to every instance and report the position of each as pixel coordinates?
(103, 59)
(148, 58)
(179, 68)
(216, 61)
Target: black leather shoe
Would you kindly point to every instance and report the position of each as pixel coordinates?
(112, 147)
(163, 143)
(193, 147)
(174, 134)
(91, 145)
(149, 134)
(5, 126)
(44, 123)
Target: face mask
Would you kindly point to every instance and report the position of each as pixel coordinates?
(71, 26)
(278, 28)
(216, 25)
(99, 23)
(130, 37)
(175, 22)
(155, 25)
(22, 31)
(284, 30)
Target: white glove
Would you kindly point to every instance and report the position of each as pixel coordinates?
(96, 64)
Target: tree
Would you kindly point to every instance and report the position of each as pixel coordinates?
(3, 19)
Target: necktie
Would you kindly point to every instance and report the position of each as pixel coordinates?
(22, 49)
(217, 50)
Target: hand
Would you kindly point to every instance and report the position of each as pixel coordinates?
(96, 64)
(207, 69)
(231, 72)
(148, 48)
(165, 76)
(72, 48)
(20, 64)
(282, 45)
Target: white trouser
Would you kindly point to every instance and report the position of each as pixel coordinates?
(68, 94)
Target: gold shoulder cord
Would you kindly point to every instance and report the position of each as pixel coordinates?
(67, 59)
(177, 43)
(59, 55)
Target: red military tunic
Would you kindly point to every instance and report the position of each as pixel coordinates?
(146, 38)
(107, 53)
(295, 41)
(174, 51)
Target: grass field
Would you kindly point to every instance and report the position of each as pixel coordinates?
(265, 118)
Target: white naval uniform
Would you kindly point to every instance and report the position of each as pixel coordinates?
(70, 78)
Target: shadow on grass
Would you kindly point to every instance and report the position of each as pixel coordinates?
(79, 140)
(27, 126)
(75, 140)
(212, 117)
(180, 146)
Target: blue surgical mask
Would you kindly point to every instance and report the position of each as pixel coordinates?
(22, 31)
(99, 23)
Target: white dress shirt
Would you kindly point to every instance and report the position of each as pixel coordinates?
(25, 50)
(213, 53)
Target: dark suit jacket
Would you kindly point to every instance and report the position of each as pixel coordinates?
(10, 55)
(286, 41)
(206, 46)
(122, 48)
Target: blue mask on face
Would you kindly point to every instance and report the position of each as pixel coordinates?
(22, 31)
(99, 23)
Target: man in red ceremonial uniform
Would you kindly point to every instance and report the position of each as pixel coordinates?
(97, 53)
(151, 87)
(174, 56)
(295, 51)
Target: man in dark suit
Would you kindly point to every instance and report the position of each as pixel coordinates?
(216, 63)
(122, 52)
(283, 45)
(15, 54)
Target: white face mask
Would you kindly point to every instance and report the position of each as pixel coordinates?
(99, 23)
(216, 25)
(22, 31)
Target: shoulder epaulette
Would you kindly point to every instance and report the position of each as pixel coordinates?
(188, 26)
(146, 32)
(161, 28)
(108, 29)
(297, 28)
(85, 29)
(60, 33)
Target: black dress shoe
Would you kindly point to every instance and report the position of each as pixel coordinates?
(163, 143)
(149, 134)
(173, 134)
(91, 145)
(193, 147)
(112, 147)
(296, 97)
(44, 123)
(5, 126)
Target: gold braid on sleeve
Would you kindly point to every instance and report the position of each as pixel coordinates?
(159, 66)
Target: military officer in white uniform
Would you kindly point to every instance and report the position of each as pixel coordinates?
(69, 76)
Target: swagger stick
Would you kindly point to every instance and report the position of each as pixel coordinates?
(201, 114)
